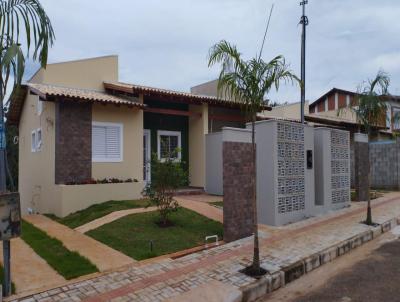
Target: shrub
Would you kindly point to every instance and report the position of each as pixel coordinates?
(167, 177)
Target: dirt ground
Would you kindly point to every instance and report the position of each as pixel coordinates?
(367, 274)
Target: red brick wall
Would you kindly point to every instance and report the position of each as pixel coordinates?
(73, 158)
(238, 171)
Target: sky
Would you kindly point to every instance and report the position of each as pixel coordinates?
(165, 44)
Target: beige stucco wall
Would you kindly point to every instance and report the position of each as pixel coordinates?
(36, 169)
(198, 128)
(87, 73)
(289, 111)
(344, 114)
(132, 163)
(75, 198)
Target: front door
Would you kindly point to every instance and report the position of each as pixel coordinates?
(146, 156)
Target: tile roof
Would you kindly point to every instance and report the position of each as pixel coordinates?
(189, 97)
(45, 91)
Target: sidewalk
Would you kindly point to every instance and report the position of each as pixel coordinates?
(104, 257)
(287, 253)
(199, 204)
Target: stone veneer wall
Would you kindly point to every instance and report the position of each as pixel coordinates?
(73, 143)
(361, 162)
(238, 179)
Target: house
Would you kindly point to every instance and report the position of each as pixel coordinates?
(77, 124)
(335, 102)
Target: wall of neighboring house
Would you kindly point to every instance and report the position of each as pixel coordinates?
(288, 111)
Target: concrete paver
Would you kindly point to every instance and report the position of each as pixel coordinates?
(104, 257)
(30, 271)
(298, 248)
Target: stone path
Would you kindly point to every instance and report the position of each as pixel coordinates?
(30, 271)
(110, 218)
(286, 253)
(104, 257)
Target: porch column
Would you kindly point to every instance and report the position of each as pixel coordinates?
(198, 128)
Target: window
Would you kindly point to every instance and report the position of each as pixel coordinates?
(167, 144)
(36, 140)
(107, 142)
(39, 106)
(396, 118)
(33, 141)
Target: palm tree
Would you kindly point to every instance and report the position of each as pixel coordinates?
(370, 112)
(248, 83)
(26, 20)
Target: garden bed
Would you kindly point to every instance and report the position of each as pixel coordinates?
(133, 234)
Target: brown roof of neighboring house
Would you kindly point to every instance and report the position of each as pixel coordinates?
(171, 94)
(50, 92)
(333, 90)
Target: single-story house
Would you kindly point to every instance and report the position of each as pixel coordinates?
(78, 124)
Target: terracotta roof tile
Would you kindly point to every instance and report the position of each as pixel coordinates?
(45, 90)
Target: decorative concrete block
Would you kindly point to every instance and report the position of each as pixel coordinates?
(356, 242)
(344, 248)
(278, 280)
(367, 236)
(376, 231)
(386, 226)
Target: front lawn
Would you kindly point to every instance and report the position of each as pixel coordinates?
(132, 234)
(95, 211)
(67, 263)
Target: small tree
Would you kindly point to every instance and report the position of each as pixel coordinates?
(370, 111)
(167, 176)
(248, 83)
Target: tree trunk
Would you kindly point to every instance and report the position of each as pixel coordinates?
(256, 254)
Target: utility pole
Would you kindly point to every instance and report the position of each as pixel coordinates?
(304, 23)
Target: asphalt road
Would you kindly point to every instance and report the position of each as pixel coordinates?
(369, 274)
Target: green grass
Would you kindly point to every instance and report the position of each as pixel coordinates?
(96, 211)
(132, 234)
(217, 204)
(67, 263)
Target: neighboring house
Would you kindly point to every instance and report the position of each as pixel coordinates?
(77, 123)
(335, 102)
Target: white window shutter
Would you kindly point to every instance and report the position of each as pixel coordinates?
(106, 142)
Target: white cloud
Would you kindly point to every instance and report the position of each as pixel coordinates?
(165, 43)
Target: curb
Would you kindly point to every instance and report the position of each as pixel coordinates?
(273, 282)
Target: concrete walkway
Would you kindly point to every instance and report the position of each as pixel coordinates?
(110, 218)
(196, 203)
(287, 253)
(104, 257)
(199, 204)
(28, 270)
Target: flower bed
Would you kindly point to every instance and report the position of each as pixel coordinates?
(93, 181)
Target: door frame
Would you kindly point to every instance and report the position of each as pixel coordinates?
(147, 160)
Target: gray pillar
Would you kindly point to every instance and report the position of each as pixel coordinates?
(361, 161)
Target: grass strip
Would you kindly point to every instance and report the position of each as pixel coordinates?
(219, 204)
(67, 263)
(133, 234)
(93, 212)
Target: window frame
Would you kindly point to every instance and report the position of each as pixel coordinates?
(39, 143)
(33, 141)
(169, 133)
(121, 140)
